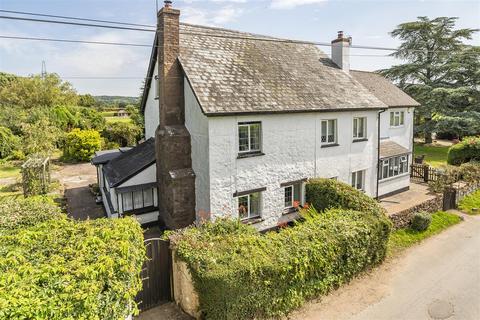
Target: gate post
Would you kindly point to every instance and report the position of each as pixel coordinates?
(426, 169)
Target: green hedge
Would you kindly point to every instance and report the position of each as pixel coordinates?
(81, 145)
(52, 267)
(326, 194)
(8, 142)
(242, 274)
(465, 151)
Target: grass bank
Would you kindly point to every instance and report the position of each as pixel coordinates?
(470, 202)
(403, 238)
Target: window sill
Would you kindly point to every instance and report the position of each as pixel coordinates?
(360, 140)
(288, 211)
(250, 154)
(330, 145)
(395, 177)
(397, 127)
(252, 220)
(140, 211)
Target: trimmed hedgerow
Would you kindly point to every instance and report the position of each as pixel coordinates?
(16, 213)
(465, 151)
(52, 267)
(239, 273)
(326, 194)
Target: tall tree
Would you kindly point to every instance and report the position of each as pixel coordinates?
(442, 73)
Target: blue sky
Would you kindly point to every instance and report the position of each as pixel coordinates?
(368, 22)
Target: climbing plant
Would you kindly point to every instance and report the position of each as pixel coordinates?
(35, 176)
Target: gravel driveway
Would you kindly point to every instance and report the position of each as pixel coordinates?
(80, 201)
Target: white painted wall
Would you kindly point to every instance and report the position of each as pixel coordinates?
(393, 184)
(402, 135)
(197, 125)
(152, 111)
(148, 175)
(291, 143)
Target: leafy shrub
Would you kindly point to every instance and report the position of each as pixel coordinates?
(123, 133)
(242, 274)
(465, 151)
(421, 221)
(8, 142)
(27, 212)
(468, 172)
(325, 194)
(81, 145)
(52, 267)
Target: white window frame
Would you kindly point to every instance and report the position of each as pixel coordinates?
(390, 163)
(397, 119)
(292, 187)
(249, 126)
(328, 122)
(359, 134)
(354, 178)
(131, 195)
(249, 208)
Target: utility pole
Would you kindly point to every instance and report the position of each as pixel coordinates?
(44, 70)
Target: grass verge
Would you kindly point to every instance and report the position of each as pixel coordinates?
(403, 238)
(470, 202)
(118, 119)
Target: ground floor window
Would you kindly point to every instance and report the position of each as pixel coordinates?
(358, 180)
(138, 199)
(249, 206)
(393, 166)
(293, 195)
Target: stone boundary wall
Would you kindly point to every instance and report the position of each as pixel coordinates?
(403, 218)
(184, 292)
(463, 189)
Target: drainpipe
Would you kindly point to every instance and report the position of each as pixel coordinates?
(378, 149)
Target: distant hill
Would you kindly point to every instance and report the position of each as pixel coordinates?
(109, 100)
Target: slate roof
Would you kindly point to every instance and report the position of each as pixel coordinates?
(238, 75)
(383, 89)
(103, 156)
(389, 148)
(129, 163)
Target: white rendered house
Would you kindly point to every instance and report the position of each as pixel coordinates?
(262, 116)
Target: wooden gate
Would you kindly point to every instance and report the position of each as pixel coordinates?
(156, 275)
(449, 199)
(423, 173)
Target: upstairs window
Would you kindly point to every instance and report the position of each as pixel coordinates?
(329, 132)
(359, 128)
(249, 206)
(397, 118)
(249, 137)
(358, 180)
(293, 195)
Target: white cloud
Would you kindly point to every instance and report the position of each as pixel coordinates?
(289, 4)
(216, 17)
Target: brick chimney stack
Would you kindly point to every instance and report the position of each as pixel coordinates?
(175, 176)
(341, 51)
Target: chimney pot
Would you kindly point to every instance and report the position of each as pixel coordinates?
(340, 34)
(168, 3)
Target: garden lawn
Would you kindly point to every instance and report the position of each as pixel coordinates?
(469, 202)
(403, 238)
(9, 170)
(434, 156)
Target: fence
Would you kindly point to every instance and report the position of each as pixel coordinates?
(424, 173)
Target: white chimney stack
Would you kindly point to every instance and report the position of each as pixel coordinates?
(341, 51)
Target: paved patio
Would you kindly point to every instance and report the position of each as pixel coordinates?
(417, 194)
(167, 311)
